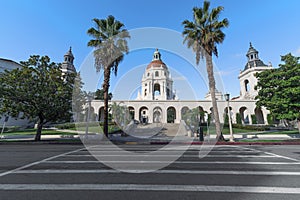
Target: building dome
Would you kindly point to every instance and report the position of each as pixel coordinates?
(156, 64)
(156, 61)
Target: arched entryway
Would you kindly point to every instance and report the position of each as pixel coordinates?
(101, 114)
(259, 116)
(131, 112)
(184, 111)
(244, 115)
(143, 114)
(157, 115)
(171, 114)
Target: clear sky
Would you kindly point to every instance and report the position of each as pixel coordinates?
(50, 27)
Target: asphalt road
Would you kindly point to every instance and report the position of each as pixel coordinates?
(226, 172)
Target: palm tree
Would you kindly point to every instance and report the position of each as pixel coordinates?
(202, 35)
(110, 42)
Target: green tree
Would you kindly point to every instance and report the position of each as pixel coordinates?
(110, 42)
(279, 89)
(37, 90)
(202, 35)
(78, 99)
(99, 95)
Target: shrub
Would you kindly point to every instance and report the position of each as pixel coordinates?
(270, 119)
(238, 118)
(253, 118)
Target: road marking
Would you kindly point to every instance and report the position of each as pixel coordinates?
(148, 187)
(273, 154)
(169, 150)
(170, 155)
(202, 172)
(177, 162)
(279, 156)
(37, 162)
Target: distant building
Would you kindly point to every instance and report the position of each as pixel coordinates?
(5, 64)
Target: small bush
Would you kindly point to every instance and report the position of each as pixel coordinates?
(253, 118)
(238, 118)
(251, 127)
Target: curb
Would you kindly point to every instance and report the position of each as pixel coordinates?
(120, 142)
(229, 143)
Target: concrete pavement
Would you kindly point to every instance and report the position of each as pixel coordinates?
(226, 172)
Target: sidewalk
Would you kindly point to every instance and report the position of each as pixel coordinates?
(250, 138)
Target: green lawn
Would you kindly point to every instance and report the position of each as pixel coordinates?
(225, 131)
(33, 132)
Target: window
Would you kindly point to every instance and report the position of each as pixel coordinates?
(144, 112)
(156, 73)
(145, 93)
(148, 74)
(247, 85)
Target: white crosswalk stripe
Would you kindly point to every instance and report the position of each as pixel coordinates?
(220, 156)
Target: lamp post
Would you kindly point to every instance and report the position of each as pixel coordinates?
(227, 98)
(89, 99)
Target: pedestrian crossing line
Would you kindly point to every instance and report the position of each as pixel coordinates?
(170, 155)
(148, 187)
(279, 156)
(202, 172)
(273, 154)
(176, 162)
(38, 162)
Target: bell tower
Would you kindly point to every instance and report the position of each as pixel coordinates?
(67, 65)
(157, 83)
(247, 76)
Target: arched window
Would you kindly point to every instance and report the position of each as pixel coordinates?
(156, 73)
(247, 85)
(156, 89)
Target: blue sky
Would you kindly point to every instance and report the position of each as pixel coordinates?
(49, 27)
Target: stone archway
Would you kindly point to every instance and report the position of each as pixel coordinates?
(171, 114)
(101, 114)
(184, 111)
(244, 115)
(157, 115)
(259, 116)
(144, 114)
(131, 112)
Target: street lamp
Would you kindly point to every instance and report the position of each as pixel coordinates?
(89, 99)
(227, 98)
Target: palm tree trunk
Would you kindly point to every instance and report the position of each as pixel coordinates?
(212, 90)
(105, 88)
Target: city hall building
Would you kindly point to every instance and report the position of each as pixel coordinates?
(156, 102)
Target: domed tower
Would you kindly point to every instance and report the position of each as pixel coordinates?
(68, 66)
(247, 76)
(157, 83)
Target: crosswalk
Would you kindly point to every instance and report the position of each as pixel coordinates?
(225, 169)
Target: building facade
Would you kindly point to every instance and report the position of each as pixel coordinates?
(157, 101)
(67, 67)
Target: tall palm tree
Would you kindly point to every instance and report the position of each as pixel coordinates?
(110, 42)
(202, 35)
